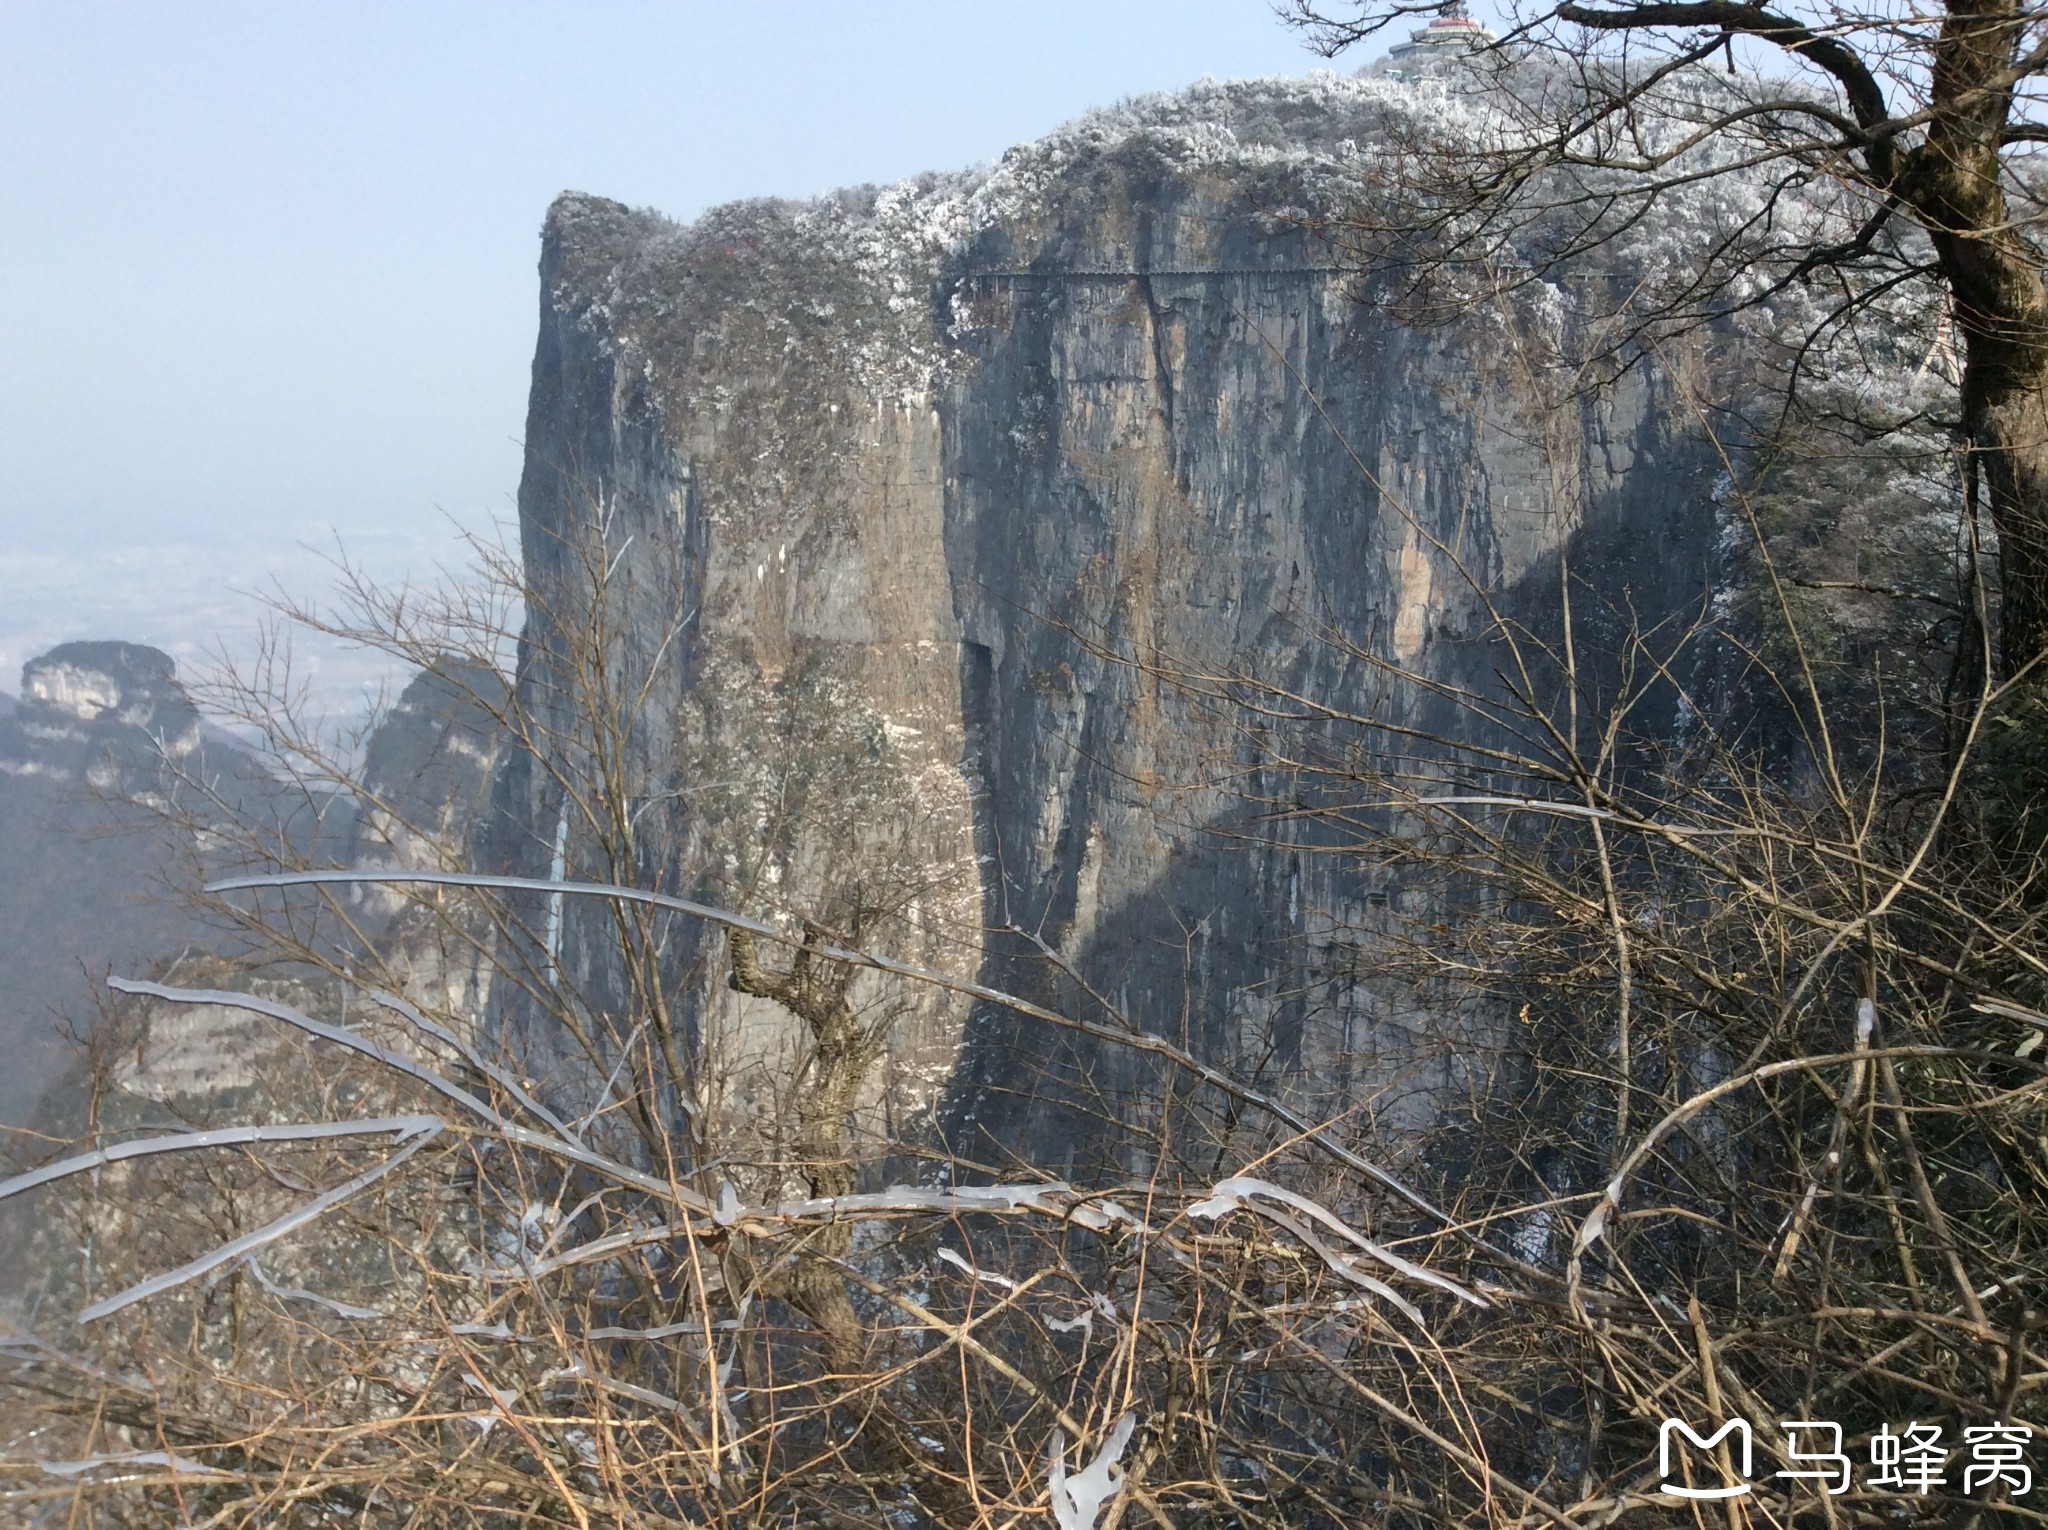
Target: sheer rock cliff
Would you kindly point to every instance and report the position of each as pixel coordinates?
(906, 505)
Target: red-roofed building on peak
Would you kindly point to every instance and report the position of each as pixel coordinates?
(1454, 32)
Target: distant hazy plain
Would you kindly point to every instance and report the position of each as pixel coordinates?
(204, 596)
(267, 272)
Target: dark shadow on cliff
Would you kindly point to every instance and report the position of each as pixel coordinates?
(1258, 947)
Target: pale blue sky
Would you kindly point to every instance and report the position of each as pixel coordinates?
(268, 269)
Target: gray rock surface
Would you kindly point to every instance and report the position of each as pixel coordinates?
(966, 463)
(113, 793)
(87, 883)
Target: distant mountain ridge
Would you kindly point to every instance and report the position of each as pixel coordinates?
(90, 736)
(101, 830)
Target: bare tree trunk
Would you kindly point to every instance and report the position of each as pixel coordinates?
(1953, 183)
(841, 1053)
(2005, 425)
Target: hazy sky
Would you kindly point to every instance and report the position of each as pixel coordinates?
(267, 270)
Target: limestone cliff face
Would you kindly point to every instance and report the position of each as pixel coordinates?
(917, 487)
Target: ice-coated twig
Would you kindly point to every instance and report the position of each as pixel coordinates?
(1595, 1225)
(1077, 1500)
(1143, 1041)
(1085, 1322)
(1342, 1266)
(1845, 1111)
(499, 1076)
(728, 1209)
(1566, 810)
(301, 1294)
(559, 1147)
(1099, 1305)
(2011, 1011)
(229, 999)
(497, 1330)
(504, 1397)
(1049, 1198)
(26, 1348)
(604, 1095)
(647, 1395)
(665, 1331)
(607, 1247)
(1244, 1192)
(401, 1127)
(182, 1465)
(975, 1273)
(579, 1374)
(248, 1243)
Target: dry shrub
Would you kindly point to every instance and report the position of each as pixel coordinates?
(1736, 1112)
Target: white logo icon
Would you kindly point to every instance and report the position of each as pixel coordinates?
(1739, 1427)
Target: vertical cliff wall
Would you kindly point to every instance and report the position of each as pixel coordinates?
(902, 500)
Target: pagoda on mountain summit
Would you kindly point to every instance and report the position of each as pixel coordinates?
(1454, 32)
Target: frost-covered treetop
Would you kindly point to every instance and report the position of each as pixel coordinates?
(1318, 125)
(1278, 156)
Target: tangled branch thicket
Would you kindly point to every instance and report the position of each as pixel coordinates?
(1752, 1125)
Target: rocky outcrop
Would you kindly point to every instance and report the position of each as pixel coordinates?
(97, 727)
(425, 777)
(115, 794)
(99, 713)
(949, 475)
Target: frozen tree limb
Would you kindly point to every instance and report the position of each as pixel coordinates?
(1077, 1500)
(1594, 1226)
(974, 1272)
(402, 1127)
(230, 999)
(301, 1294)
(1830, 1161)
(499, 1076)
(290, 1222)
(1143, 1041)
(183, 1466)
(1243, 1192)
(559, 1147)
